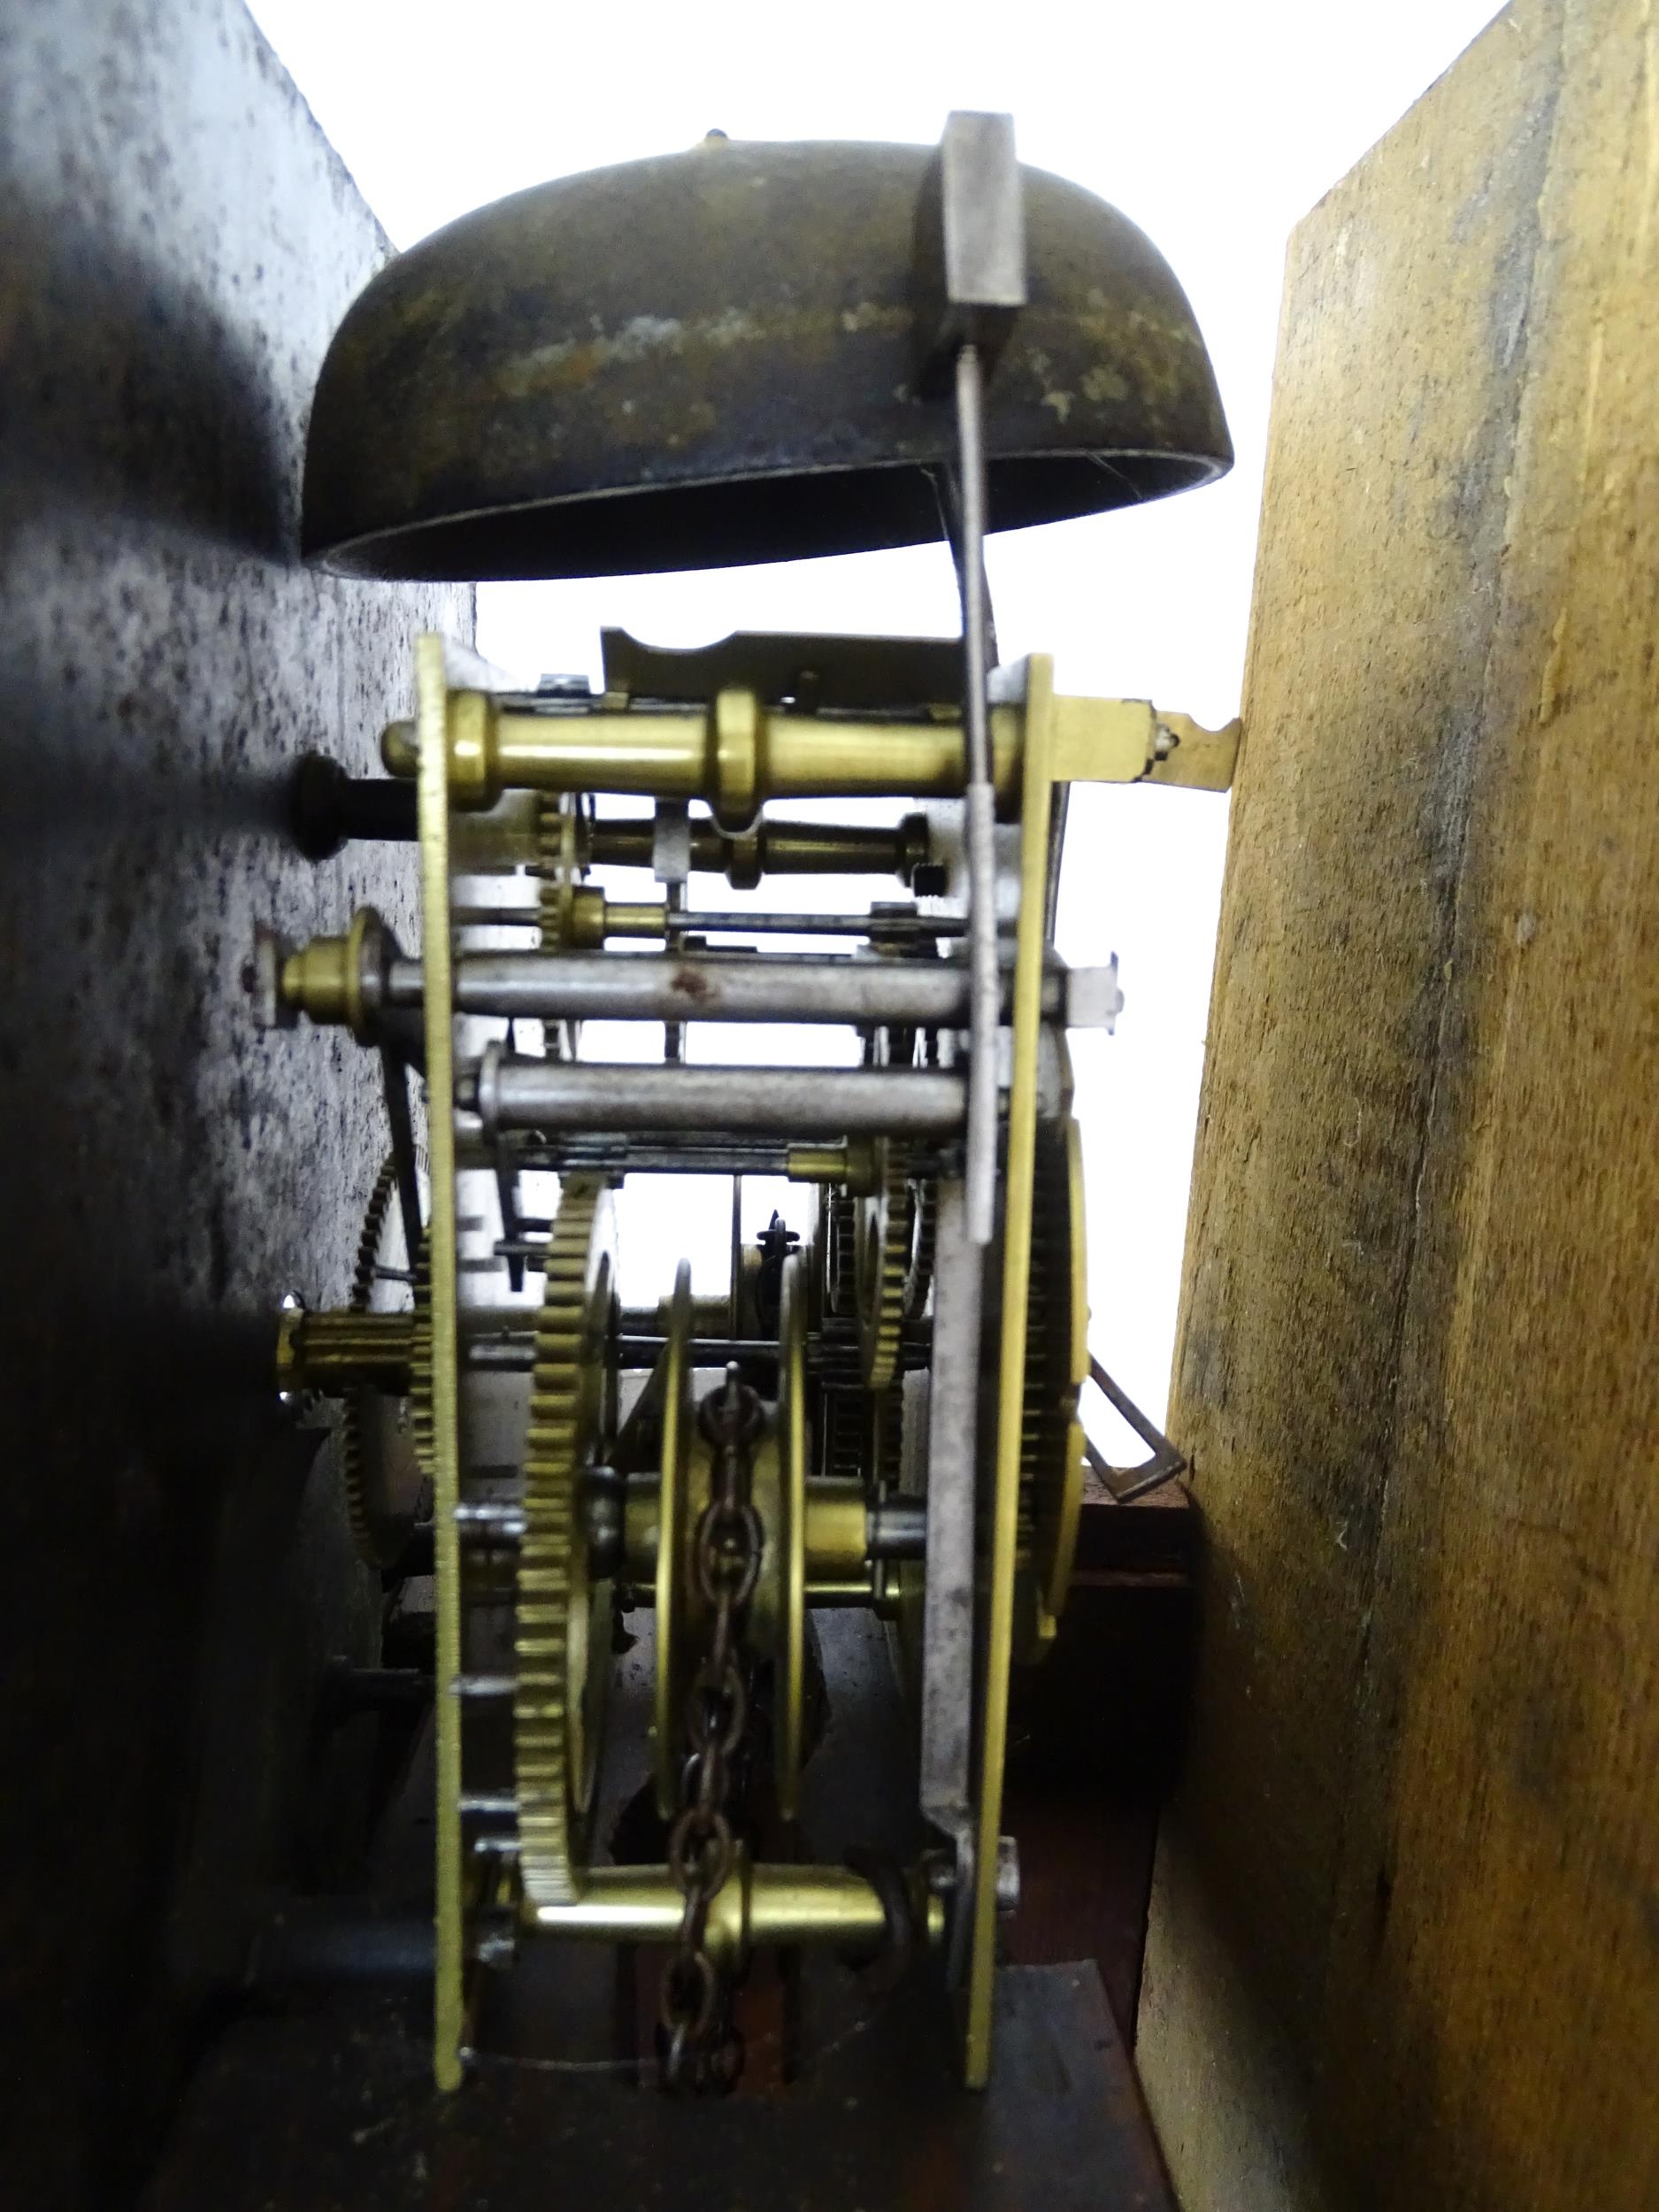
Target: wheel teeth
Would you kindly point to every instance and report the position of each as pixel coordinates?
(1037, 1424)
(370, 1549)
(881, 1302)
(844, 1448)
(1045, 1422)
(919, 1281)
(889, 1436)
(840, 1246)
(545, 1593)
(421, 1364)
(556, 865)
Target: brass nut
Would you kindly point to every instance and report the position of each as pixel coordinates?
(316, 980)
(336, 979)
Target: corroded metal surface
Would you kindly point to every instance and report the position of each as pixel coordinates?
(708, 358)
(179, 243)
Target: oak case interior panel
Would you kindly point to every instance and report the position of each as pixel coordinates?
(1404, 1946)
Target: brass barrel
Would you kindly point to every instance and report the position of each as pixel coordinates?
(736, 755)
(761, 1904)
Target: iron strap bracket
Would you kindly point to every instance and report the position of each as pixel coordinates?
(1124, 1484)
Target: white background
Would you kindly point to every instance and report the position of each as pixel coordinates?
(1214, 125)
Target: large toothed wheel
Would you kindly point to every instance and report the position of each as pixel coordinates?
(838, 1280)
(882, 1260)
(559, 1699)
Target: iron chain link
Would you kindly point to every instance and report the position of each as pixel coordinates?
(700, 2047)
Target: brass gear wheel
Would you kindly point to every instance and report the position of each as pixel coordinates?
(561, 863)
(421, 1360)
(1057, 1368)
(887, 1436)
(881, 1265)
(386, 1469)
(841, 1242)
(559, 1699)
(844, 1424)
(863, 1436)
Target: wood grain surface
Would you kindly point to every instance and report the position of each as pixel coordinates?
(1404, 1948)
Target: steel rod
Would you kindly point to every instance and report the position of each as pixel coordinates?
(488, 1805)
(774, 848)
(686, 922)
(509, 1093)
(897, 1529)
(730, 923)
(730, 988)
(601, 1156)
